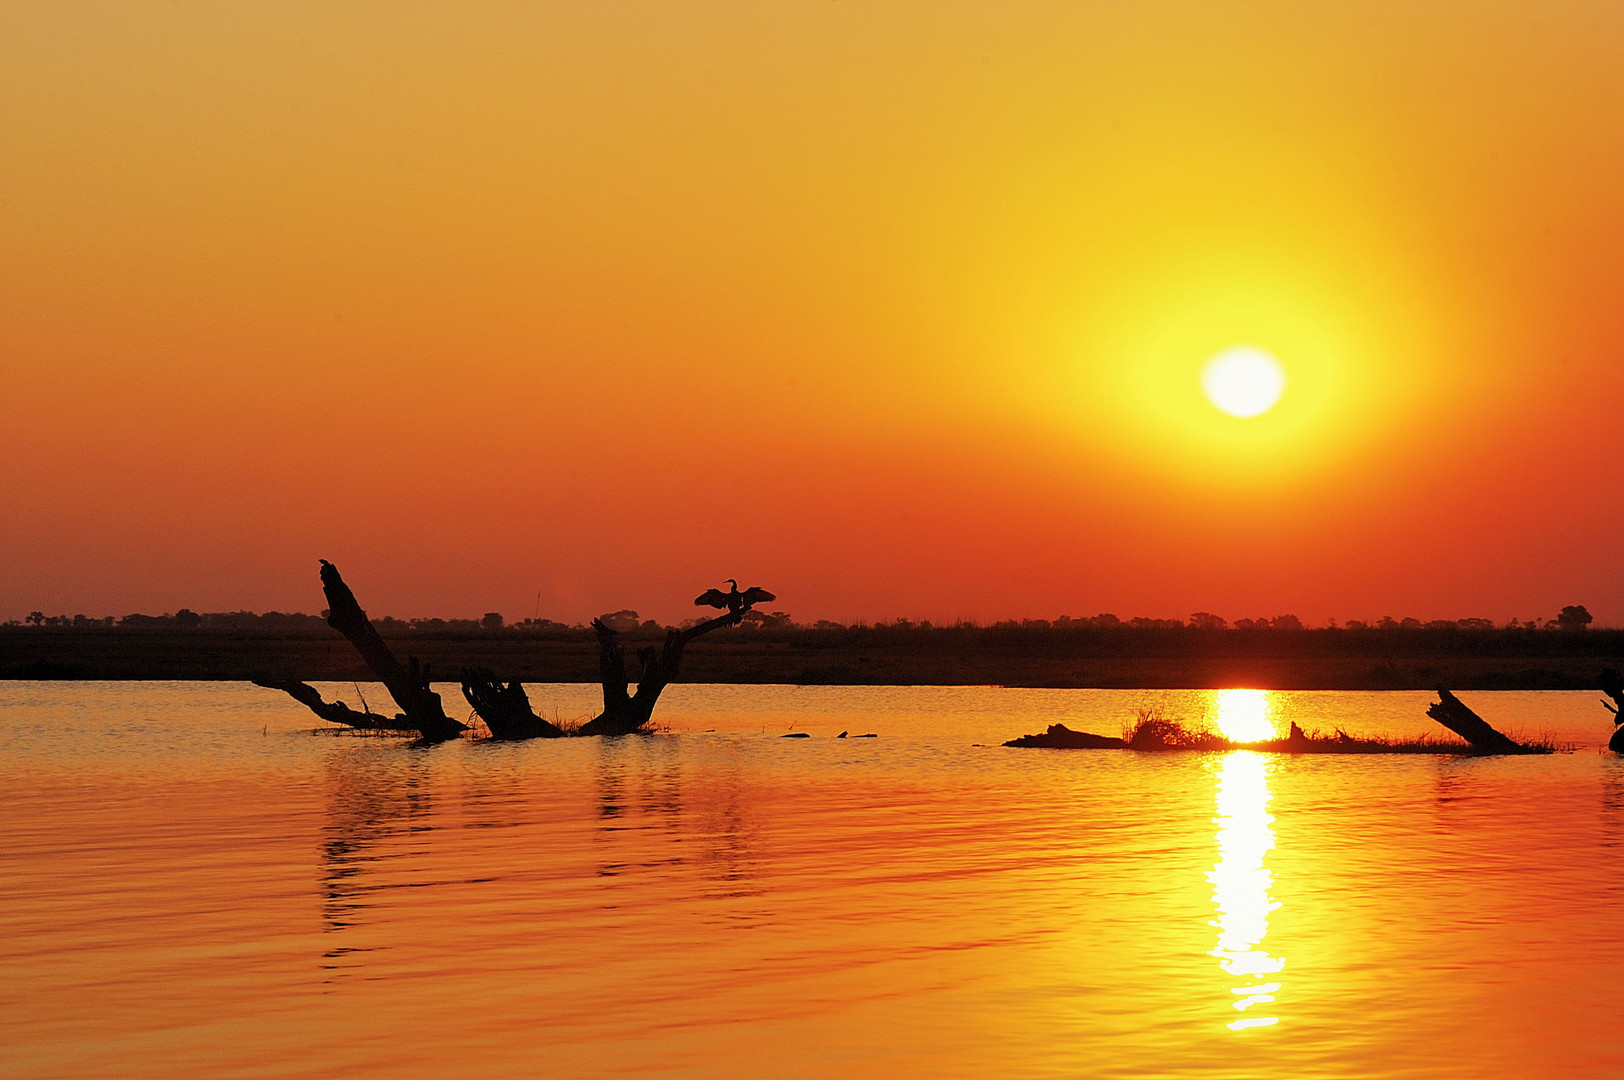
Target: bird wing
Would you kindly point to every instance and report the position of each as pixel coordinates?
(757, 595)
(711, 598)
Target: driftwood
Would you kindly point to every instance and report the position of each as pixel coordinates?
(1453, 714)
(335, 712)
(1061, 737)
(421, 709)
(504, 706)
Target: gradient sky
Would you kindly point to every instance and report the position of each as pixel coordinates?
(896, 308)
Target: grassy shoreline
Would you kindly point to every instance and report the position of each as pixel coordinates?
(1153, 734)
(1309, 660)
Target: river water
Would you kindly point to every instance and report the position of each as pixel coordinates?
(193, 883)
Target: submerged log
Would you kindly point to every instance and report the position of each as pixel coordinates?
(1061, 737)
(1453, 714)
(335, 712)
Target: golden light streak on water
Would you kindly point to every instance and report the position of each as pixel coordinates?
(194, 884)
(1240, 884)
(1245, 716)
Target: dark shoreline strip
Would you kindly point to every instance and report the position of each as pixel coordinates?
(1060, 737)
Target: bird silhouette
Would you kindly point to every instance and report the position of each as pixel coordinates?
(734, 601)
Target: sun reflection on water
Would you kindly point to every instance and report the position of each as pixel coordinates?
(1243, 716)
(1240, 886)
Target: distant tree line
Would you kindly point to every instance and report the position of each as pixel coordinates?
(1571, 618)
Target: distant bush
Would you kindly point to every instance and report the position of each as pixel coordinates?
(1573, 617)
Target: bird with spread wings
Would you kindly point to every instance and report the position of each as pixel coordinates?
(734, 601)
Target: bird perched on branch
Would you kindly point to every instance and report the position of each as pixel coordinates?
(735, 601)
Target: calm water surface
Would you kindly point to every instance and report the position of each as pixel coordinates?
(192, 883)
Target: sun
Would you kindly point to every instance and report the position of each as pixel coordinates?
(1243, 381)
(1244, 716)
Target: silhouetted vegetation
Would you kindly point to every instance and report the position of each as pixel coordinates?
(1572, 618)
(1153, 733)
(1100, 650)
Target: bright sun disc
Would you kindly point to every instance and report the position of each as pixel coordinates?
(1243, 716)
(1243, 381)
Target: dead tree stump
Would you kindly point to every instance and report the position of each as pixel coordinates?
(504, 707)
(625, 713)
(1453, 714)
(420, 708)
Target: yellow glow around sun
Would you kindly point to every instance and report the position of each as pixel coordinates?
(1353, 350)
(1243, 381)
(1243, 716)
(1140, 387)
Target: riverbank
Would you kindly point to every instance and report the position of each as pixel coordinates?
(1306, 660)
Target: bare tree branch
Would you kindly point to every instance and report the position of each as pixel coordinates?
(409, 686)
(335, 712)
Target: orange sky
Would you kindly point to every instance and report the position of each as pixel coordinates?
(897, 309)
